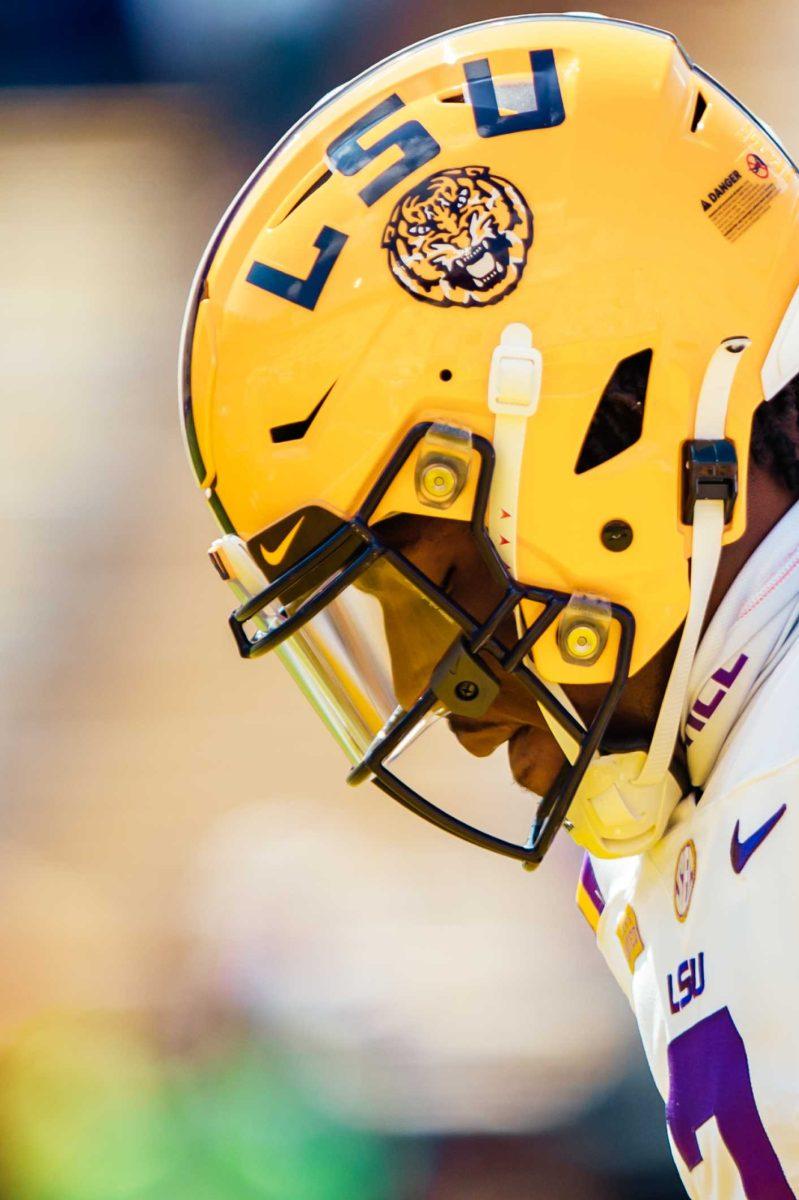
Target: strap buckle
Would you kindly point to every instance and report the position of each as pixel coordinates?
(514, 381)
(710, 472)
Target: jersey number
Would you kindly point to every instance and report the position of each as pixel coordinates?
(709, 1077)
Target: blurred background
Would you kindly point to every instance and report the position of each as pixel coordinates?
(223, 974)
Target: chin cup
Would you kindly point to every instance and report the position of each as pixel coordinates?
(612, 816)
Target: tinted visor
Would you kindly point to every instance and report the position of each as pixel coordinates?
(382, 651)
(358, 661)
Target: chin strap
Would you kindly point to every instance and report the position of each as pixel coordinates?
(708, 534)
(625, 800)
(514, 389)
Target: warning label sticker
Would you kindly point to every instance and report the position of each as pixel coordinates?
(739, 200)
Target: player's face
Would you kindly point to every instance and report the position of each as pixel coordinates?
(447, 554)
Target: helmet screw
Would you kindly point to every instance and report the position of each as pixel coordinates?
(582, 641)
(467, 689)
(439, 480)
(617, 535)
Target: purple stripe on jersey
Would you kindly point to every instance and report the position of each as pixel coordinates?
(588, 881)
(709, 1077)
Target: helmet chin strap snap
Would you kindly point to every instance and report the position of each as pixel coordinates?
(625, 801)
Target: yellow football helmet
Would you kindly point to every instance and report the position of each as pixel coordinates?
(417, 305)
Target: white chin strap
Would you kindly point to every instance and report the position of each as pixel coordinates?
(624, 801)
(514, 388)
(708, 532)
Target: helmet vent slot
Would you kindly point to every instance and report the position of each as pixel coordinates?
(619, 417)
(295, 431)
(699, 112)
(456, 97)
(314, 186)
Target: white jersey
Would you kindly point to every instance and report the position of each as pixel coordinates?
(702, 934)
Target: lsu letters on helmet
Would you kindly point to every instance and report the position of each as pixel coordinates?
(416, 306)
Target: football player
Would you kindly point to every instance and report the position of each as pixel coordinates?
(488, 379)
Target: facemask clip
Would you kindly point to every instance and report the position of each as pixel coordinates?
(583, 630)
(463, 684)
(442, 467)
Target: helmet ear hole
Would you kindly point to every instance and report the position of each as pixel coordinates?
(618, 419)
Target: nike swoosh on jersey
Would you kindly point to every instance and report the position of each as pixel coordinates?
(741, 852)
(276, 556)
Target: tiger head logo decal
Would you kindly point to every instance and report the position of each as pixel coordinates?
(460, 236)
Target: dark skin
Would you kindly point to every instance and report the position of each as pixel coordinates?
(445, 552)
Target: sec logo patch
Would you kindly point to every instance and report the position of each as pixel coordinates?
(684, 880)
(459, 237)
